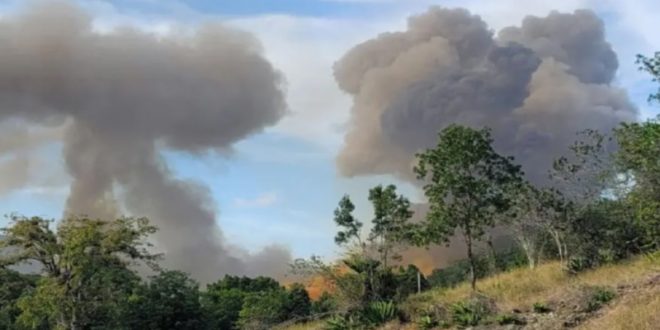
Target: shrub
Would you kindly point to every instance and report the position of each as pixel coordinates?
(541, 308)
(469, 313)
(504, 319)
(598, 298)
(427, 322)
(325, 304)
(379, 312)
(339, 322)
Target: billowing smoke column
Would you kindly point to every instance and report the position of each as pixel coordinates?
(535, 86)
(126, 95)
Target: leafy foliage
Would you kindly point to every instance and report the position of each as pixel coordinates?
(466, 183)
(598, 298)
(469, 313)
(87, 282)
(170, 300)
(541, 308)
(12, 286)
(380, 312)
(504, 319)
(639, 145)
(652, 66)
(224, 299)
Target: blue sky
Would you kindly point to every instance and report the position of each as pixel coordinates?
(281, 186)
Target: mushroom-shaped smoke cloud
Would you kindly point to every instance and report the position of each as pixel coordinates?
(535, 85)
(126, 96)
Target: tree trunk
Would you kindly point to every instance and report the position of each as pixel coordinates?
(560, 246)
(493, 255)
(473, 273)
(530, 252)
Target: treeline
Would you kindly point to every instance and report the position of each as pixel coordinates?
(88, 282)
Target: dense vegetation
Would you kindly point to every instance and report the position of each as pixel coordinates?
(600, 205)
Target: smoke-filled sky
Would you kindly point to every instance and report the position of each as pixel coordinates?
(229, 123)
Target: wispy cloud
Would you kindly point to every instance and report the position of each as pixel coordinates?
(264, 200)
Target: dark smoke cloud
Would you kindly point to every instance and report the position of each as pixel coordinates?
(535, 85)
(125, 96)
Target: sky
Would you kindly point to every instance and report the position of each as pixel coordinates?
(281, 186)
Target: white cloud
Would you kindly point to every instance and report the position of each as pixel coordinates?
(305, 49)
(54, 191)
(264, 200)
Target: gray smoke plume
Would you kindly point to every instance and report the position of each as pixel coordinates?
(126, 95)
(535, 85)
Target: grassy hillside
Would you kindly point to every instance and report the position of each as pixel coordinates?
(570, 300)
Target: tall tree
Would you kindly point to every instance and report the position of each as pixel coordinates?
(389, 224)
(579, 180)
(391, 215)
(86, 280)
(639, 156)
(526, 219)
(652, 66)
(465, 181)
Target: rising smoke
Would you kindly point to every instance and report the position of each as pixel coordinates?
(535, 85)
(126, 95)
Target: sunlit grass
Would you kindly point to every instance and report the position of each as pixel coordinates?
(316, 325)
(521, 288)
(641, 312)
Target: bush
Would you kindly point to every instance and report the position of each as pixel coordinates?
(541, 308)
(325, 304)
(379, 312)
(339, 322)
(504, 319)
(603, 233)
(599, 297)
(469, 313)
(427, 322)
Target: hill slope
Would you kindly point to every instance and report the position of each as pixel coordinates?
(619, 296)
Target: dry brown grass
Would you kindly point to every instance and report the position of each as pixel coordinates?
(521, 288)
(316, 325)
(640, 311)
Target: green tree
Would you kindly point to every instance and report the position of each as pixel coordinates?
(652, 66)
(534, 216)
(465, 181)
(263, 310)
(350, 227)
(325, 304)
(86, 280)
(170, 300)
(223, 300)
(298, 304)
(369, 259)
(579, 180)
(391, 215)
(222, 307)
(12, 286)
(639, 156)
